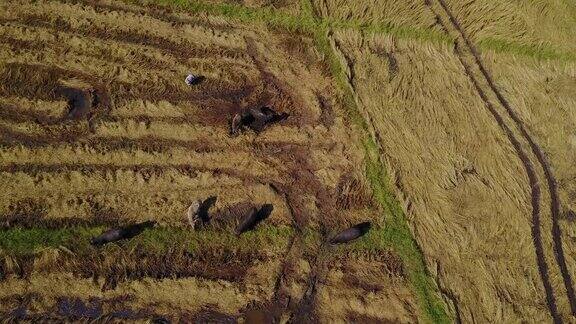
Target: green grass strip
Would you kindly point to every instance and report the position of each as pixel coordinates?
(401, 32)
(266, 15)
(20, 241)
(303, 23)
(539, 52)
(398, 235)
(396, 232)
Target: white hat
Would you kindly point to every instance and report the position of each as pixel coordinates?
(190, 79)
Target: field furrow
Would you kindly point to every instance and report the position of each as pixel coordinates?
(131, 196)
(135, 27)
(72, 154)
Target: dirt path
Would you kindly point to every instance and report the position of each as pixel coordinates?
(463, 48)
(303, 182)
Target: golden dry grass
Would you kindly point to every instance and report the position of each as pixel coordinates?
(463, 187)
(169, 296)
(343, 294)
(542, 93)
(129, 195)
(400, 13)
(541, 29)
(548, 22)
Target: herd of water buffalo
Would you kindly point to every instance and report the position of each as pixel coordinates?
(242, 217)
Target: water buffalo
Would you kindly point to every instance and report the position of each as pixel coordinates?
(253, 218)
(80, 101)
(197, 213)
(256, 119)
(239, 218)
(352, 233)
(192, 79)
(121, 233)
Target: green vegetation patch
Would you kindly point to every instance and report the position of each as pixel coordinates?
(20, 241)
(267, 15)
(537, 51)
(398, 235)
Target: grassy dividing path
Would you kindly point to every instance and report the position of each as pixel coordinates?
(21, 241)
(396, 233)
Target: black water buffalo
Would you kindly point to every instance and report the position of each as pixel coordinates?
(352, 233)
(256, 119)
(121, 233)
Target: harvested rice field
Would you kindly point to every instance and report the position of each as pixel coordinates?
(439, 133)
(150, 145)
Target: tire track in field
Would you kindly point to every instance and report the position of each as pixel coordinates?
(302, 182)
(541, 159)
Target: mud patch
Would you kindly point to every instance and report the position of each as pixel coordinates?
(211, 315)
(352, 192)
(79, 101)
(261, 313)
(115, 267)
(327, 114)
(73, 309)
(18, 304)
(76, 309)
